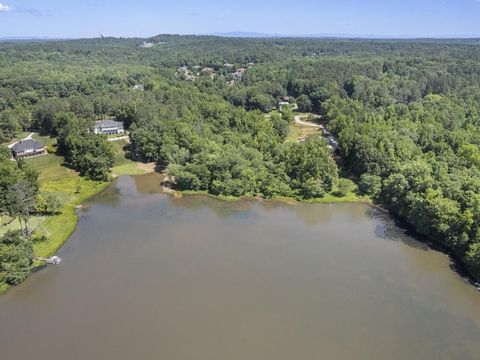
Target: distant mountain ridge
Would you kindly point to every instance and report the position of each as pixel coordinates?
(32, 38)
(245, 34)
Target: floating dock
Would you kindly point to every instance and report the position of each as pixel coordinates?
(54, 260)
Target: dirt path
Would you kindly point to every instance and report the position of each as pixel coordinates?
(298, 120)
(331, 140)
(119, 138)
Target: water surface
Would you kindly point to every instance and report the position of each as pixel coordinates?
(148, 276)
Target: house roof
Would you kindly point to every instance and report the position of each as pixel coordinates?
(108, 124)
(25, 145)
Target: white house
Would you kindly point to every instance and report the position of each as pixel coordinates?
(109, 127)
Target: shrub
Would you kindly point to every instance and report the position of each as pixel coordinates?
(344, 187)
(370, 185)
(16, 257)
(48, 203)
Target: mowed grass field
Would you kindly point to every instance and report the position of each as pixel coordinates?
(45, 139)
(123, 166)
(298, 131)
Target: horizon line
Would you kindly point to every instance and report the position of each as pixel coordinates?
(247, 34)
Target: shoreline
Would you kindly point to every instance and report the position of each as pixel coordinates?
(68, 220)
(328, 199)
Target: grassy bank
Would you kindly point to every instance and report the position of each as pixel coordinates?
(349, 198)
(124, 166)
(327, 199)
(3, 287)
(72, 189)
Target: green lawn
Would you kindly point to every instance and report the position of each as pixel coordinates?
(123, 166)
(298, 131)
(50, 167)
(294, 133)
(127, 169)
(47, 140)
(35, 223)
(349, 198)
(119, 152)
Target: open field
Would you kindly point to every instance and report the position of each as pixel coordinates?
(298, 132)
(124, 166)
(303, 127)
(47, 140)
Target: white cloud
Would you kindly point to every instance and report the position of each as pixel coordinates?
(4, 7)
(34, 11)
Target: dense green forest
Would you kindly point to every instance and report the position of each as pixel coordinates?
(406, 115)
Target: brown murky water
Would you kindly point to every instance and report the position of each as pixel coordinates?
(147, 276)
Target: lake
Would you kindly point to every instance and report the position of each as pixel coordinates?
(150, 276)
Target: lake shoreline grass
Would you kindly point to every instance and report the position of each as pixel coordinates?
(327, 199)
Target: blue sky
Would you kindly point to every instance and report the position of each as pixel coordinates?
(88, 18)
